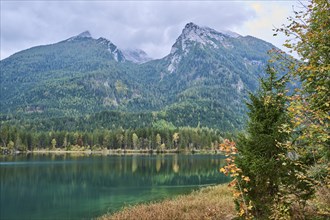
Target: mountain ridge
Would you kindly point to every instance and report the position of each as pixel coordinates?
(203, 80)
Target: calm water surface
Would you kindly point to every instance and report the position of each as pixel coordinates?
(83, 187)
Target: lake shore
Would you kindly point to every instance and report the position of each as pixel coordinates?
(213, 202)
(113, 151)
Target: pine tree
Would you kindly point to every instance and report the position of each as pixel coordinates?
(259, 155)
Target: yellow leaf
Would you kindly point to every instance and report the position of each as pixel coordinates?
(247, 179)
(236, 194)
(232, 170)
(241, 212)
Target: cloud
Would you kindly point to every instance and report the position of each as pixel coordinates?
(268, 16)
(149, 25)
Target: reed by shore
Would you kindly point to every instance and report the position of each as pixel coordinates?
(213, 202)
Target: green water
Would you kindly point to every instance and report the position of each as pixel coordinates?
(83, 187)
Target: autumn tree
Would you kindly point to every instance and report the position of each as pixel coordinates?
(158, 141)
(53, 142)
(308, 34)
(175, 139)
(135, 140)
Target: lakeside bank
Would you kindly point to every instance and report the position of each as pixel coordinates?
(110, 151)
(213, 202)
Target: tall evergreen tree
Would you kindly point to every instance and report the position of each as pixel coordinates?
(261, 157)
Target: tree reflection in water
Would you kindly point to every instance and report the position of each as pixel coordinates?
(80, 186)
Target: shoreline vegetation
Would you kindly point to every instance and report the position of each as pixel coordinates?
(143, 140)
(204, 203)
(6, 151)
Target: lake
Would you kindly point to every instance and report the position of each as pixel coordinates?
(70, 186)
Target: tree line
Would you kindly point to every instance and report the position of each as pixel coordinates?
(152, 138)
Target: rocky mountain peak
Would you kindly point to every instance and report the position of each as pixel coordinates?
(85, 34)
(191, 26)
(112, 48)
(192, 34)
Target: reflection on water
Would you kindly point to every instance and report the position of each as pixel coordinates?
(82, 187)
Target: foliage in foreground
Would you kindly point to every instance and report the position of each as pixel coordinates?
(270, 163)
(262, 169)
(259, 155)
(214, 202)
(308, 34)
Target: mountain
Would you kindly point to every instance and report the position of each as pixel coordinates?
(69, 77)
(202, 82)
(207, 76)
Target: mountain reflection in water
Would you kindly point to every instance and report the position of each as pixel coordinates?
(75, 187)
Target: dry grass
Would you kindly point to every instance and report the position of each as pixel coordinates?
(208, 203)
(316, 208)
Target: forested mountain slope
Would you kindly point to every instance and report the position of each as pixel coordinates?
(203, 81)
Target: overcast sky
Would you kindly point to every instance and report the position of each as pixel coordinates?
(149, 25)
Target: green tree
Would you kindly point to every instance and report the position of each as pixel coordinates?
(18, 143)
(11, 145)
(261, 157)
(4, 135)
(120, 138)
(168, 141)
(106, 139)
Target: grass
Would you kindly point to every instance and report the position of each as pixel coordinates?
(213, 202)
(316, 208)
